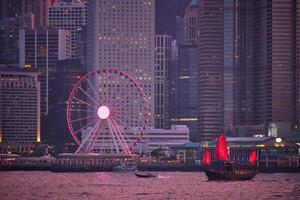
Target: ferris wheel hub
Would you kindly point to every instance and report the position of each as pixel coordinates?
(103, 112)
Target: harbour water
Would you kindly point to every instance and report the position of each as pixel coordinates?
(168, 185)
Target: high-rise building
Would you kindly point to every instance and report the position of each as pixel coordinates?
(277, 59)
(121, 35)
(68, 15)
(248, 64)
(19, 109)
(180, 31)
(210, 63)
(238, 47)
(9, 34)
(166, 12)
(82, 46)
(161, 82)
(187, 108)
(40, 9)
(41, 49)
(173, 83)
(190, 23)
(61, 82)
(11, 8)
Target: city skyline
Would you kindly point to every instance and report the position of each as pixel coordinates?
(149, 99)
(211, 71)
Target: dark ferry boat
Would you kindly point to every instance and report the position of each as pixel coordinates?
(144, 174)
(223, 169)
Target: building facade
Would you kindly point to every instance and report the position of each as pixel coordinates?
(40, 49)
(19, 108)
(277, 61)
(186, 109)
(40, 9)
(121, 34)
(68, 15)
(273, 154)
(191, 23)
(161, 81)
(210, 62)
(61, 82)
(9, 34)
(163, 138)
(248, 64)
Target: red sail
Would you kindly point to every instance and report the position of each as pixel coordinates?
(221, 151)
(252, 157)
(206, 158)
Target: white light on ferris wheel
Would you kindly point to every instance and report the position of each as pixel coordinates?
(103, 112)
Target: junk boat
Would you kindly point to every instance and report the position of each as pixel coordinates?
(223, 169)
(144, 174)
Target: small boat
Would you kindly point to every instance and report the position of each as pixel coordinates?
(124, 168)
(226, 170)
(144, 174)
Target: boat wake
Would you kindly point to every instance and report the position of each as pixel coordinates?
(160, 176)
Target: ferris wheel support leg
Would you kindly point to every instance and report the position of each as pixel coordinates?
(113, 136)
(87, 138)
(121, 143)
(94, 138)
(127, 151)
(124, 124)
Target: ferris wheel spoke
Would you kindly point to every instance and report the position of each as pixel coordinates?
(85, 126)
(82, 101)
(96, 103)
(80, 110)
(120, 121)
(115, 132)
(126, 149)
(113, 136)
(93, 89)
(127, 137)
(94, 136)
(80, 119)
(81, 147)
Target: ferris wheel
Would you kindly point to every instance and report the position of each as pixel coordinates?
(107, 112)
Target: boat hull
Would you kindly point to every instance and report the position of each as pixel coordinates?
(220, 175)
(148, 175)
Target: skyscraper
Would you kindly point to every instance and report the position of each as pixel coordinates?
(61, 82)
(40, 9)
(161, 82)
(248, 62)
(188, 82)
(239, 48)
(121, 35)
(277, 61)
(11, 8)
(68, 15)
(9, 34)
(210, 63)
(190, 23)
(40, 49)
(19, 109)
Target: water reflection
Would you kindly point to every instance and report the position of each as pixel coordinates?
(168, 185)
